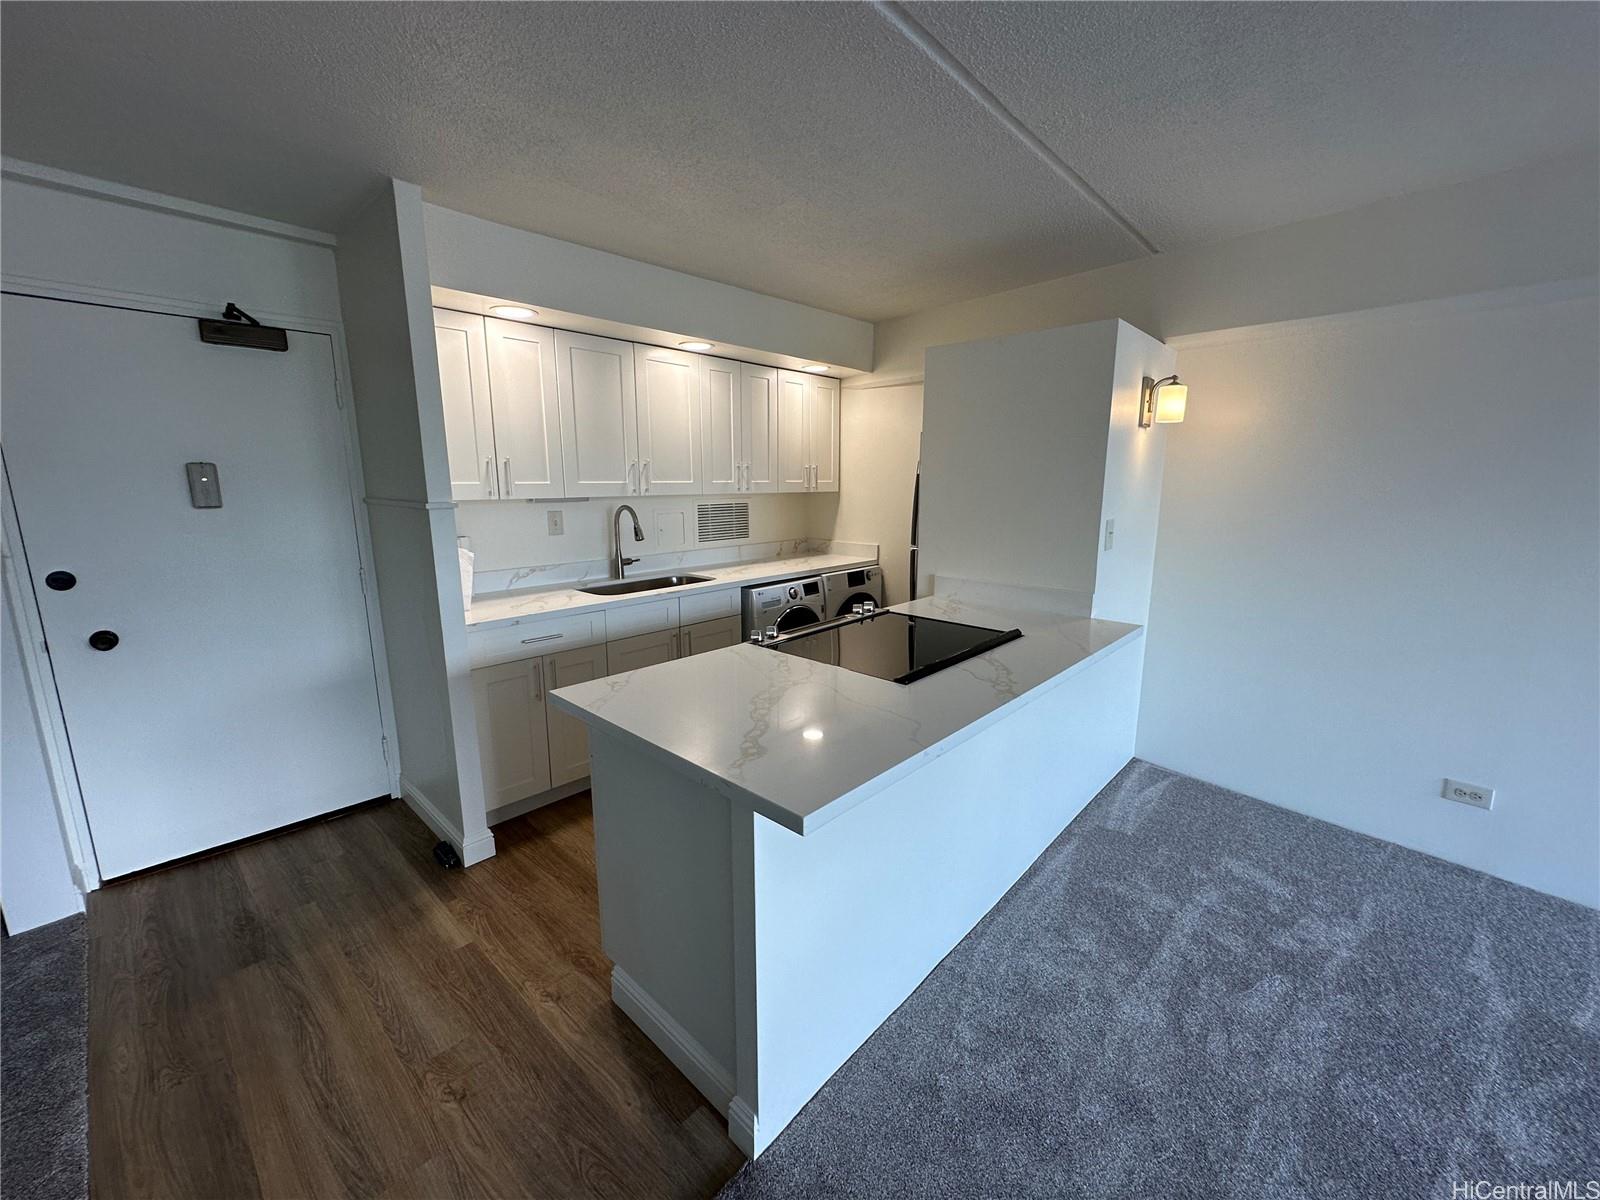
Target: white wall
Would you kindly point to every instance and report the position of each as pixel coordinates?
(473, 255)
(1532, 228)
(382, 261)
(507, 535)
(1378, 566)
(877, 471)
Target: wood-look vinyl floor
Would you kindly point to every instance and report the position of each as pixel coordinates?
(327, 1013)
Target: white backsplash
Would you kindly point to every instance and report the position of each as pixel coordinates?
(514, 549)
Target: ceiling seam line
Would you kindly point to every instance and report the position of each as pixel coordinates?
(895, 13)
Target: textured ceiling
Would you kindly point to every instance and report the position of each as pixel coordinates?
(833, 154)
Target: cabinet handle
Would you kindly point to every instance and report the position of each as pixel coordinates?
(644, 476)
(538, 681)
(488, 476)
(631, 467)
(507, 484)
(543, 637)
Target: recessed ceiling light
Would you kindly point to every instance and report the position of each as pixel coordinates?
(515, 312)
(815, 368)
(811, 735)
(695, 345)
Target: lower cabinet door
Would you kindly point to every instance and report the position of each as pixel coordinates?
(708, 635)
(645, 650)
(512, 740)
(569, 737)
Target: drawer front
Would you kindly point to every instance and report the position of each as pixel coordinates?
(642, 618)
(534, 638)
(707, 606)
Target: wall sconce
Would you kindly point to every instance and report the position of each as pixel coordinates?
(1162, 400)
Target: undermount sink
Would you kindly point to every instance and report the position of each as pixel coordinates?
(626, 587)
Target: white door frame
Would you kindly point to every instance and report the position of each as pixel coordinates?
(41, 680)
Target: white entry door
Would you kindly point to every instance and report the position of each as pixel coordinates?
(240, 693)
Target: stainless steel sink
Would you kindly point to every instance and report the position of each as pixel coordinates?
(626, 587)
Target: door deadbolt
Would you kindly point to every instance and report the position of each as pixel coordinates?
(61, 581)
(103, 639)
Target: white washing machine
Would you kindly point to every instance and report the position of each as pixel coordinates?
(785, 606)
(843, 590)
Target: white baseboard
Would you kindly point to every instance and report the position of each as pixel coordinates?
(472, 850)
(518, 807)
(688, 1055)
(742, 1127)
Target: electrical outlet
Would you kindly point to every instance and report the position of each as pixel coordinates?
(557, 528)
(1468, 793)
(1111, 531)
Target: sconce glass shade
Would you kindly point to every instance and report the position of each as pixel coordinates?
(1171, 401)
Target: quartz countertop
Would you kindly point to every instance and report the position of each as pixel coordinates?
(507, 608)
(802, 741)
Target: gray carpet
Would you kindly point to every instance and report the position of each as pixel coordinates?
(44, 1063)
(1193, 993)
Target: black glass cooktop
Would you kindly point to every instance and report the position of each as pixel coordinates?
(891, 645)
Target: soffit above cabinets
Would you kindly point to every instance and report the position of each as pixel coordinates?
(470, 302)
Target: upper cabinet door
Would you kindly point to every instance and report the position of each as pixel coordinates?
(527, 421)
(669, 421)
(723, 453)
(759, 428)
(794, 468)
(468, 419)
(599, 426)
(822, 432)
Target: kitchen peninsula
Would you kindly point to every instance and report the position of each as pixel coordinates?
(786, 847)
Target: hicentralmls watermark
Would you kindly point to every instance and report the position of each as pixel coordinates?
(1551, 1189)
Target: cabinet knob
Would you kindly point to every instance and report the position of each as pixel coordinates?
(103, 639)
(61, 581)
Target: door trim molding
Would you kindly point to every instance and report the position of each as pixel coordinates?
(46, 704)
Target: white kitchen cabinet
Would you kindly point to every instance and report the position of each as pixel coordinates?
(527, 420)
(513, 741)
(468, 415)
(599, 415)
(758, 427)
(723, 453)
(569, 737)
(708, 635)
(808, 432)
(794, 468)
(644, 650)
(669, 414)
(822, 432)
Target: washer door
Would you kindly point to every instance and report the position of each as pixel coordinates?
(797, 616)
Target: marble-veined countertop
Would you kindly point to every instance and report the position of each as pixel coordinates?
(507, 608)
(739, 718)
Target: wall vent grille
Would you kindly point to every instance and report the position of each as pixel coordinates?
(724, 522)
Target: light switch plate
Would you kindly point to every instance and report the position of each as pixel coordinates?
(1474, 794)
(557, 525)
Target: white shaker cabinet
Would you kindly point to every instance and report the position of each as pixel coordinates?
(708, 635)
(822, 432)
(468, 416)
(808, 432)
(642, 650)
(758, 429)
(722, 426)
(512, 740)
(669, 411)
(527, 422)
(794, 467)
(599, 415)
(569, 737)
